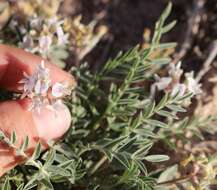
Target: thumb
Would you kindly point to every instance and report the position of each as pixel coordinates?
(14, 116)
(50, 124)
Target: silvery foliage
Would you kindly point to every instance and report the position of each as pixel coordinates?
(115, 125)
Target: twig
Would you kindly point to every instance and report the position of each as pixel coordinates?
(192, 29)
(208, 62)
(205, 146)
(174, 181)
(99, 164)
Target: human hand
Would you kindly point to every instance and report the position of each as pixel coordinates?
(14, 114)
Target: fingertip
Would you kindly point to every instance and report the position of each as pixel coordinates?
(50, 124)
(59, 75)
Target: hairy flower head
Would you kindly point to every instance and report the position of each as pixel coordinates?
(38, 87)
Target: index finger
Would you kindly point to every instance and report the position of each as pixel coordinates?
(14, 62)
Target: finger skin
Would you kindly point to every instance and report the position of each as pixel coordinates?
(14, 118)
(14, 115)
(14, 61)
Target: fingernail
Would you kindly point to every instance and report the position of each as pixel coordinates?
(52, 124)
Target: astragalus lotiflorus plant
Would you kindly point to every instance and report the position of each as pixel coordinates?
(126, 122)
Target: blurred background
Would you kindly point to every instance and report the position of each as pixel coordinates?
(130, 21)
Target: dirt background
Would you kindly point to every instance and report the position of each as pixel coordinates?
(127, 19)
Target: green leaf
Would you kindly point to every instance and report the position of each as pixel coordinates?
(2, 136)
(97, 187)
(140, 153)
(176, 108)
(6, 185)
(157, 158)
(50, 158)
(184, 123)
(13, 137)
(156, 123)
(159, 26)
(141, 166)
(168, 174)
(37, 152)
(161, 61)
(145, 132)
(110, 143)
(150, 110)
(126, 144)
(47, 184)
(32, 182)
(166, 12)
(167, 114)
(162, 102)
(25, 144)
(66, 164)
(20, 187)
(188, 95)
(123, 159)
(58, 171)
(168, 27)
(163, 46)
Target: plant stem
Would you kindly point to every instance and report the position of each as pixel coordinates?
(174, 181)
(120, 93)
(98, 164)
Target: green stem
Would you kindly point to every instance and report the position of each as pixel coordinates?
(177, 180)
(98, 164)
(120, 93)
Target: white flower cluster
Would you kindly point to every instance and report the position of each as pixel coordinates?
(173, 85)
(50, 32)
(39, 89)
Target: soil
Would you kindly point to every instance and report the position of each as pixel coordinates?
(127, 19)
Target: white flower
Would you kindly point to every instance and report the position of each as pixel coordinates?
(167, 84)
(29, 84)
(37, 104)
(36, 23)
(54, 21)
(27, 43)
(175, 71)
(45, 43)
(43, 72)
(41, 87)
(163, 82)
(62, 38)
(173, 85)
(57, 24)
(192, 84)
(38, 86)
(179, 90)
(38, 83)
(13, 23)
(60, 90)
(43, 80)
